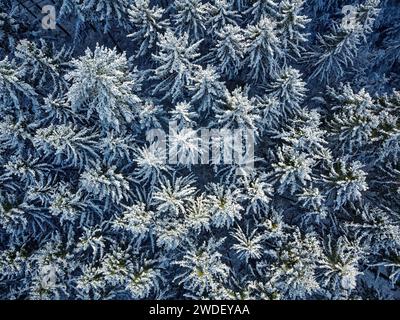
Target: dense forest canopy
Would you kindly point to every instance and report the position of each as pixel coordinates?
(94, 206)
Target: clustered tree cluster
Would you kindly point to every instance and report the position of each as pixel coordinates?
(89, 209)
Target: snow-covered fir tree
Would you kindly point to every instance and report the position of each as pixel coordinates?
(176, 65)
